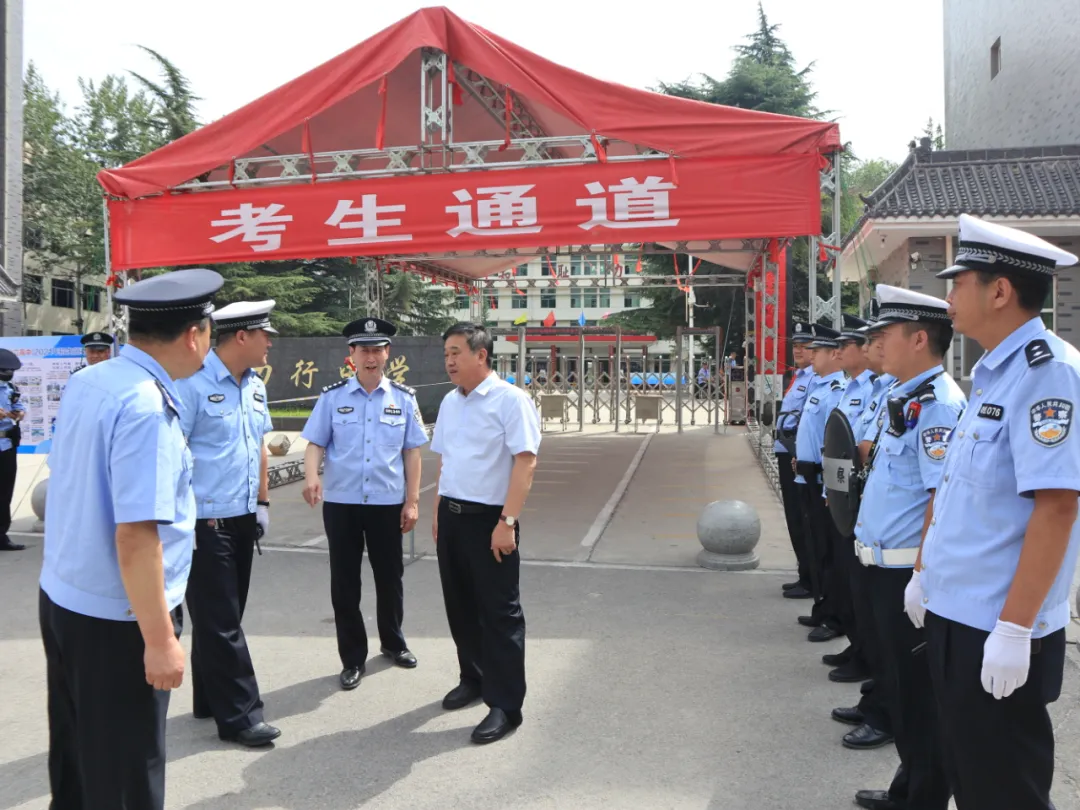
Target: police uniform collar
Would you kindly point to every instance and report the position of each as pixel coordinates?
(836, 375)
(354, 385)
(998, 248)
(1013, 343)
(919, 379)
(866, 375)
(141, 358)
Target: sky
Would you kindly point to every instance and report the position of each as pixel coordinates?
(880, 71)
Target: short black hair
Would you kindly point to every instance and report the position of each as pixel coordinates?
(939, 335)
(163, 330)
(1031, 290)
(476, 336)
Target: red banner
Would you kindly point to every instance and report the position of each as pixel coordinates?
(606, 203)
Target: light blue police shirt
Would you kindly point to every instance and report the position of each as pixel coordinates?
(821, 398)
(224, 423)
(1014, 438)
(867, 427)
(118, 456)
(9, 401)
(857, 396)
(792, 404)
(906, 468)
(364, 436)
(478, 436)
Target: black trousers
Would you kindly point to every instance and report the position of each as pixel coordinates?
(793, 515)
(106, 723)
(834, 589)
(9, 468)
(867, 650)
(222, 674)
(349, 527)
(920, 782)
(999, 754)
(483, 603)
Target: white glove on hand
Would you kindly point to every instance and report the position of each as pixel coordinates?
(262, 517)
(913, 600)
(1006, 658)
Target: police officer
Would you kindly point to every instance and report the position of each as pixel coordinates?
(97, 347)
(224, 417)
(822, 397)
(119, 530)
(11, 413)
(487, 436)
(904, 471)
(371, 431)
(993, 579)
(787, 422)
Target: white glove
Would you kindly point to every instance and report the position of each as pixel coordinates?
(1006, 658)
(262, 517)
(913, 600)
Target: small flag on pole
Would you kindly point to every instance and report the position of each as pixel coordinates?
(521, 319)
(581, 319)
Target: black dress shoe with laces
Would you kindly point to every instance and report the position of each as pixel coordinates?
(809, 621)
(495, 726)
(823, 633)
(258, 734)
(787, 586)
(866, 737)
(350, 677)
(461, 696)
(875, 800)
(798, 592)
(837, 659)
(402, 659)
(850, 672)
(852, 716)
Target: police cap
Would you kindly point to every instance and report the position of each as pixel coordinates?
(801, 332)
(177, 296)
(999, 249)
(245, 315)
(97, 340)
(9, 361)
(825, 337)
(855, 329)
(897, 305)
(369, 332)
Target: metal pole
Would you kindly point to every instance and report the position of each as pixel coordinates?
(108, 273)
(618, 376)
(678, 376)
(711, 390)
(812, 270)
(581, 380)
(838, 317)
(519, 378)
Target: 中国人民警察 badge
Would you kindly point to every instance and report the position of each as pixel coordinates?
(935, 442)
(1051, 420)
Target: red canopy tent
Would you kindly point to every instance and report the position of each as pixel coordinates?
(438, 142)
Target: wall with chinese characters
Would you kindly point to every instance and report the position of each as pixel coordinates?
(299, 368)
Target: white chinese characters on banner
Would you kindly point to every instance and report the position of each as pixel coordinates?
(368, 221)
(507, 212)
(260, 226)
(635, 204)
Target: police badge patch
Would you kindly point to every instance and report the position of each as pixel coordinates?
(1050, 421)
(345, 409)
(215, 398)
(935, 441)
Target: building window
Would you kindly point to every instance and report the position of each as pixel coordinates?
(461, 301)
(605, 298)
(631, 301)
(63, 293)
(33, 333)
(519, 301)
(32, 287)
(547, 299)
(92, 297)
(590, 299)
(995, 59)
(1049, 310)
(575, 300)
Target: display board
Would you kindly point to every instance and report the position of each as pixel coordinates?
(47, 363)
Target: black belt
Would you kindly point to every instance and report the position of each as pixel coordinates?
(807, 468)
(469, 507)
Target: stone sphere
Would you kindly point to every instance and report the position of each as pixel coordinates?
(37, 498)
(729, 532)
(279, 445)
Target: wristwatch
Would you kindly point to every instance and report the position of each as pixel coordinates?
(264, 503)
(508, 520)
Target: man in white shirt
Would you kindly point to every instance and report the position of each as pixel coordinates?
(487, 436)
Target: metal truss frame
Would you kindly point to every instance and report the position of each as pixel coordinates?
(819, 307)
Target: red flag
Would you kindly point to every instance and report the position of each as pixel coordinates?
(550, 319)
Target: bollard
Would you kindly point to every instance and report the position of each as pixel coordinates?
(729, 531)
(279, 445)
(37, 503)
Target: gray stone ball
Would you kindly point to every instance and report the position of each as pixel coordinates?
(37, 498)
(279, 445)
(728, 531)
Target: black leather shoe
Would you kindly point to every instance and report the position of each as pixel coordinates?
(822, 633)
(787, 586)
(849, 673)
(9, 546)
(866, 687)
(495, 726)
(864, 738)
(350, 677)
(402, 659)
(851, 716)
(258, 734)
(798, 592)
(460, 696)
(809, 621)
(837, 659)
(201, 715)
(875, 800)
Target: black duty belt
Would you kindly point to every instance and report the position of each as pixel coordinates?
(469, 507)
(808, 469)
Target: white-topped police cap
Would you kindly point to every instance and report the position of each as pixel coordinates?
(9, 361)
(825, 337)
(1001, 249)
(244, 316)
(177, 294)
(369, 332)
(801, 332)
(855, 329)
(97, 340)
(897, 305)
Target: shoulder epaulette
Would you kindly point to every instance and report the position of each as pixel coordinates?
(332, 386)
(928, 396)
(403, 387)
(1038, 352)
(169, 404)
